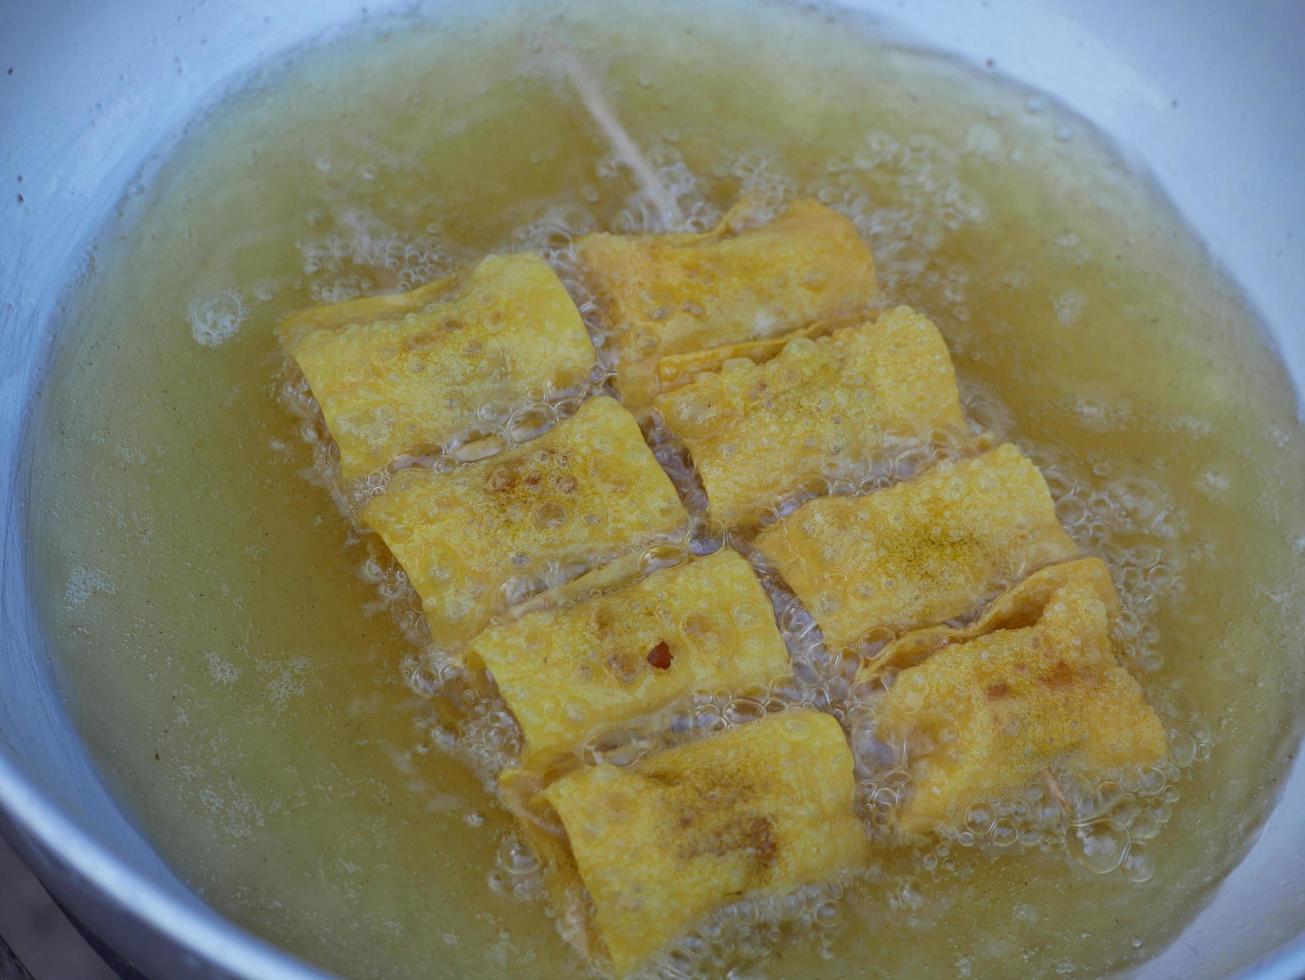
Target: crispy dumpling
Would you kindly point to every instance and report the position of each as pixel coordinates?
(587, 490)
(983, 716)
(930, 549)
(423, 370)
(657, 846)
(672, 294)
(819, 409)
(568, 673)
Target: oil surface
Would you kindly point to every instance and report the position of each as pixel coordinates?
(221, 637)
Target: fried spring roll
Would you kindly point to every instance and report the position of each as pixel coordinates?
(586, 491)
(818, 410)
(424, 370)
(924, 551)
(651, 849)
(672, 294)
(983, 716)
(568, 673)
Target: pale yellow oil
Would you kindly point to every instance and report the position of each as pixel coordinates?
(241, 683)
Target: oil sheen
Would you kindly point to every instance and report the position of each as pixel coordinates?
(232, 652)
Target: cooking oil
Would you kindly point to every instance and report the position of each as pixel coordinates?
(251, 676)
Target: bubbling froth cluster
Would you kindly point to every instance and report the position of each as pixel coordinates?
(749, 930)
(352, 253)
(921, 176)
(1132, 523)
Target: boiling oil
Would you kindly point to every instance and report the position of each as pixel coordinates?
(251, 677)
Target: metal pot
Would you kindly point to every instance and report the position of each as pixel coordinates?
(1207, 95)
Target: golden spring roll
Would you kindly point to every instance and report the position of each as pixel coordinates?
(568, 673)
(413, 372)
(930, 549)
(981, 718)
(656, 847)
(670, 294)
(587, 490)
(819, 409)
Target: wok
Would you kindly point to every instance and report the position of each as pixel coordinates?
(1209, 96)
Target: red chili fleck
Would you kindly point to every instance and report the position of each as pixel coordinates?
(660, 656)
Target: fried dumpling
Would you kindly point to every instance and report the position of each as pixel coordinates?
(817, 410)
(763, 808)
(671, 294)
(587, 490)
(984, 715)
(424, 370)
(568, 673)
(924, 551)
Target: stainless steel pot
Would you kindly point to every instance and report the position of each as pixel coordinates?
(1210, 96)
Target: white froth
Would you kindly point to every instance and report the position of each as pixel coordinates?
(215, 317)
